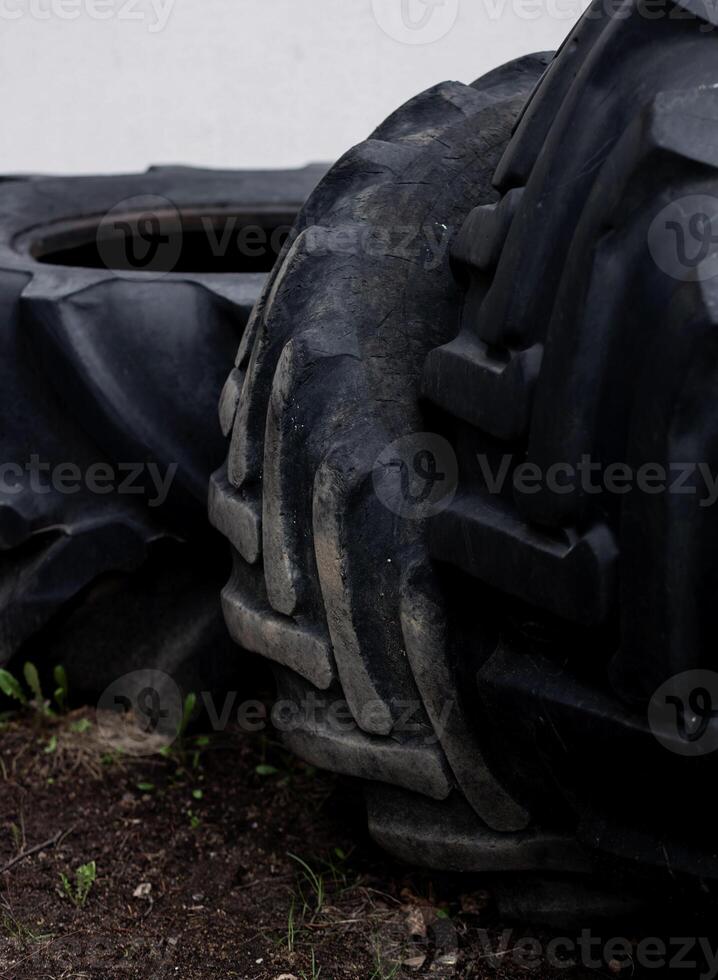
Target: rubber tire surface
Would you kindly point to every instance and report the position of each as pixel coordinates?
(330, 583)
(95, 366)
(584, 338)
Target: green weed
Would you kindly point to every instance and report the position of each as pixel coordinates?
(78, 891)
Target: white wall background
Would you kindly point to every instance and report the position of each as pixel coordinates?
(114, 85)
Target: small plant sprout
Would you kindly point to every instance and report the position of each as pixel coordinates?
(263, 769)
(32, 679)
(62, 689)
(201, 742)
(18, 836)
(11, 687)
(188, 709)
(84, 880)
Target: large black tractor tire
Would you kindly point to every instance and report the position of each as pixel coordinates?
(122, 301)
(332, 577)
(587, 340)
(571, 630)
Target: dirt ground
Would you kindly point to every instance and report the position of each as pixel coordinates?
(224, 858)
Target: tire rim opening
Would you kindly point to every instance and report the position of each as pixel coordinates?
(193, 240)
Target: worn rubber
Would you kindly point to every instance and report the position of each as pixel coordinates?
(95, 368)
(329, 583)
(576, 342)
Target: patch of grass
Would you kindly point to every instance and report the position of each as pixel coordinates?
(382, 970)
(79, 891)
(291, 928)
(316, 971)
(337, 868)
(312, 886)
(20, 933)
(16, 930)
